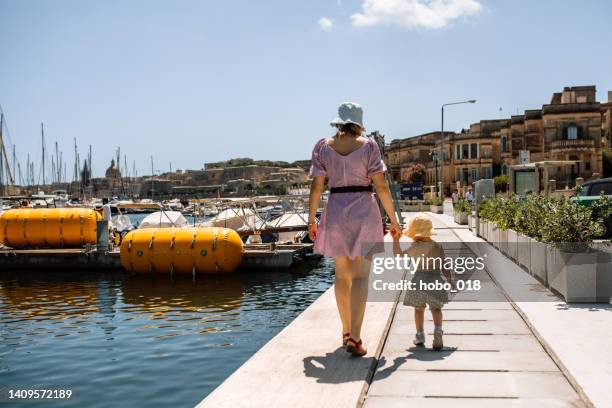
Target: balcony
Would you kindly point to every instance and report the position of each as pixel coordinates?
(572, 144)
(482, 160)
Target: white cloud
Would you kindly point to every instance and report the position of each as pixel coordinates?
(326, 23)
(429, 14)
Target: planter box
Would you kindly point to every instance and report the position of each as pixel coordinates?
(604, 276)
(572, 274)
(483, 229)
(472, 224)
(493, 235)
(436, 209)
(503, 241)
(537, 258)
(524, 251)
(512, 244)
(412, 208)
(461, 218)
(405, 206)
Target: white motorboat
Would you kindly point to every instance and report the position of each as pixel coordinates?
(233, 217)
(163, 219)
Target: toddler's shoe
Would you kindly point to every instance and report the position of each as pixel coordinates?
(419, 339)
(437, 341)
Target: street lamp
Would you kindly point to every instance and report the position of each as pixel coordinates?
(442, 144)
(434, 159)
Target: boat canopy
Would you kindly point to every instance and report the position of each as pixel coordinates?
(163, 219)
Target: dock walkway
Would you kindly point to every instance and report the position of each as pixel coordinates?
(490, 359)
(497, 353)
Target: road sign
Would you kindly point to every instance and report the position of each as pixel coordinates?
(412, 191)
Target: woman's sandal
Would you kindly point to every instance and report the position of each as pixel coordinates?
(355, 347)
(345, 337)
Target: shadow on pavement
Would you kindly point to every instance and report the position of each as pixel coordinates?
(338, 367)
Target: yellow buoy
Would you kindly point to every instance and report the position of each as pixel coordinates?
(48, 227)
(182, 250)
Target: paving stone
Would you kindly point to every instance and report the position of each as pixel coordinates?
(498, 342)
(470, 305)
(400, 402)
(514, 326)
(453, 314)
(405, 383)
(423, 358)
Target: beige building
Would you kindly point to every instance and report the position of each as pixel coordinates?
(573, 126)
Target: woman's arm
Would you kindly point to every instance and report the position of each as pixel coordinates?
(384, 194)
(316, 189)
(397, 249)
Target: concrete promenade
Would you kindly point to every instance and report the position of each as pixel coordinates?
(497, 353)
(490, 359)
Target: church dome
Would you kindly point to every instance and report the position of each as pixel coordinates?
(113, 171)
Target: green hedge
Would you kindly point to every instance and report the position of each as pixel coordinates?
(462, 205)
(547, 219)
(436, 201)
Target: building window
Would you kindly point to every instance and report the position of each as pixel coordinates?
(473, 151)
(504, 144)
(465, 151)
(457, 152)
(487, 172)
(587, 166)
(572, 132)
(504, 169)
(474, 175)
(457, 174)
(575, 167)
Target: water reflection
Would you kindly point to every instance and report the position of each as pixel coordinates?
(112, 337)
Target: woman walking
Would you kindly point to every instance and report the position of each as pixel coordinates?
(351, 221)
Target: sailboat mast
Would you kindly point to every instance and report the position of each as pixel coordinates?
(14, 165)
(6, 166)
(126, 176)
(133, 176)
(1, 149)
(28, 171)
(42, 133)
(58, 164)
(152, 178)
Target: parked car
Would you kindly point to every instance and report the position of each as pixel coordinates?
(592, 191)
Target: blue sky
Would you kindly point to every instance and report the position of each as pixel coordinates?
(196, 81)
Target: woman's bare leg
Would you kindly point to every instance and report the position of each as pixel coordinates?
(342, 290)
(360, 270)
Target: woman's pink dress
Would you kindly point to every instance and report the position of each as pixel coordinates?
(351, 222)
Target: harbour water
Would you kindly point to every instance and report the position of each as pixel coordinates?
(121, 340)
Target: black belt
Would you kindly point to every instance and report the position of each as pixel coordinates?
(350, 189)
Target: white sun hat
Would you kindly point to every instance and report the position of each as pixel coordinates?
(348, 112)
